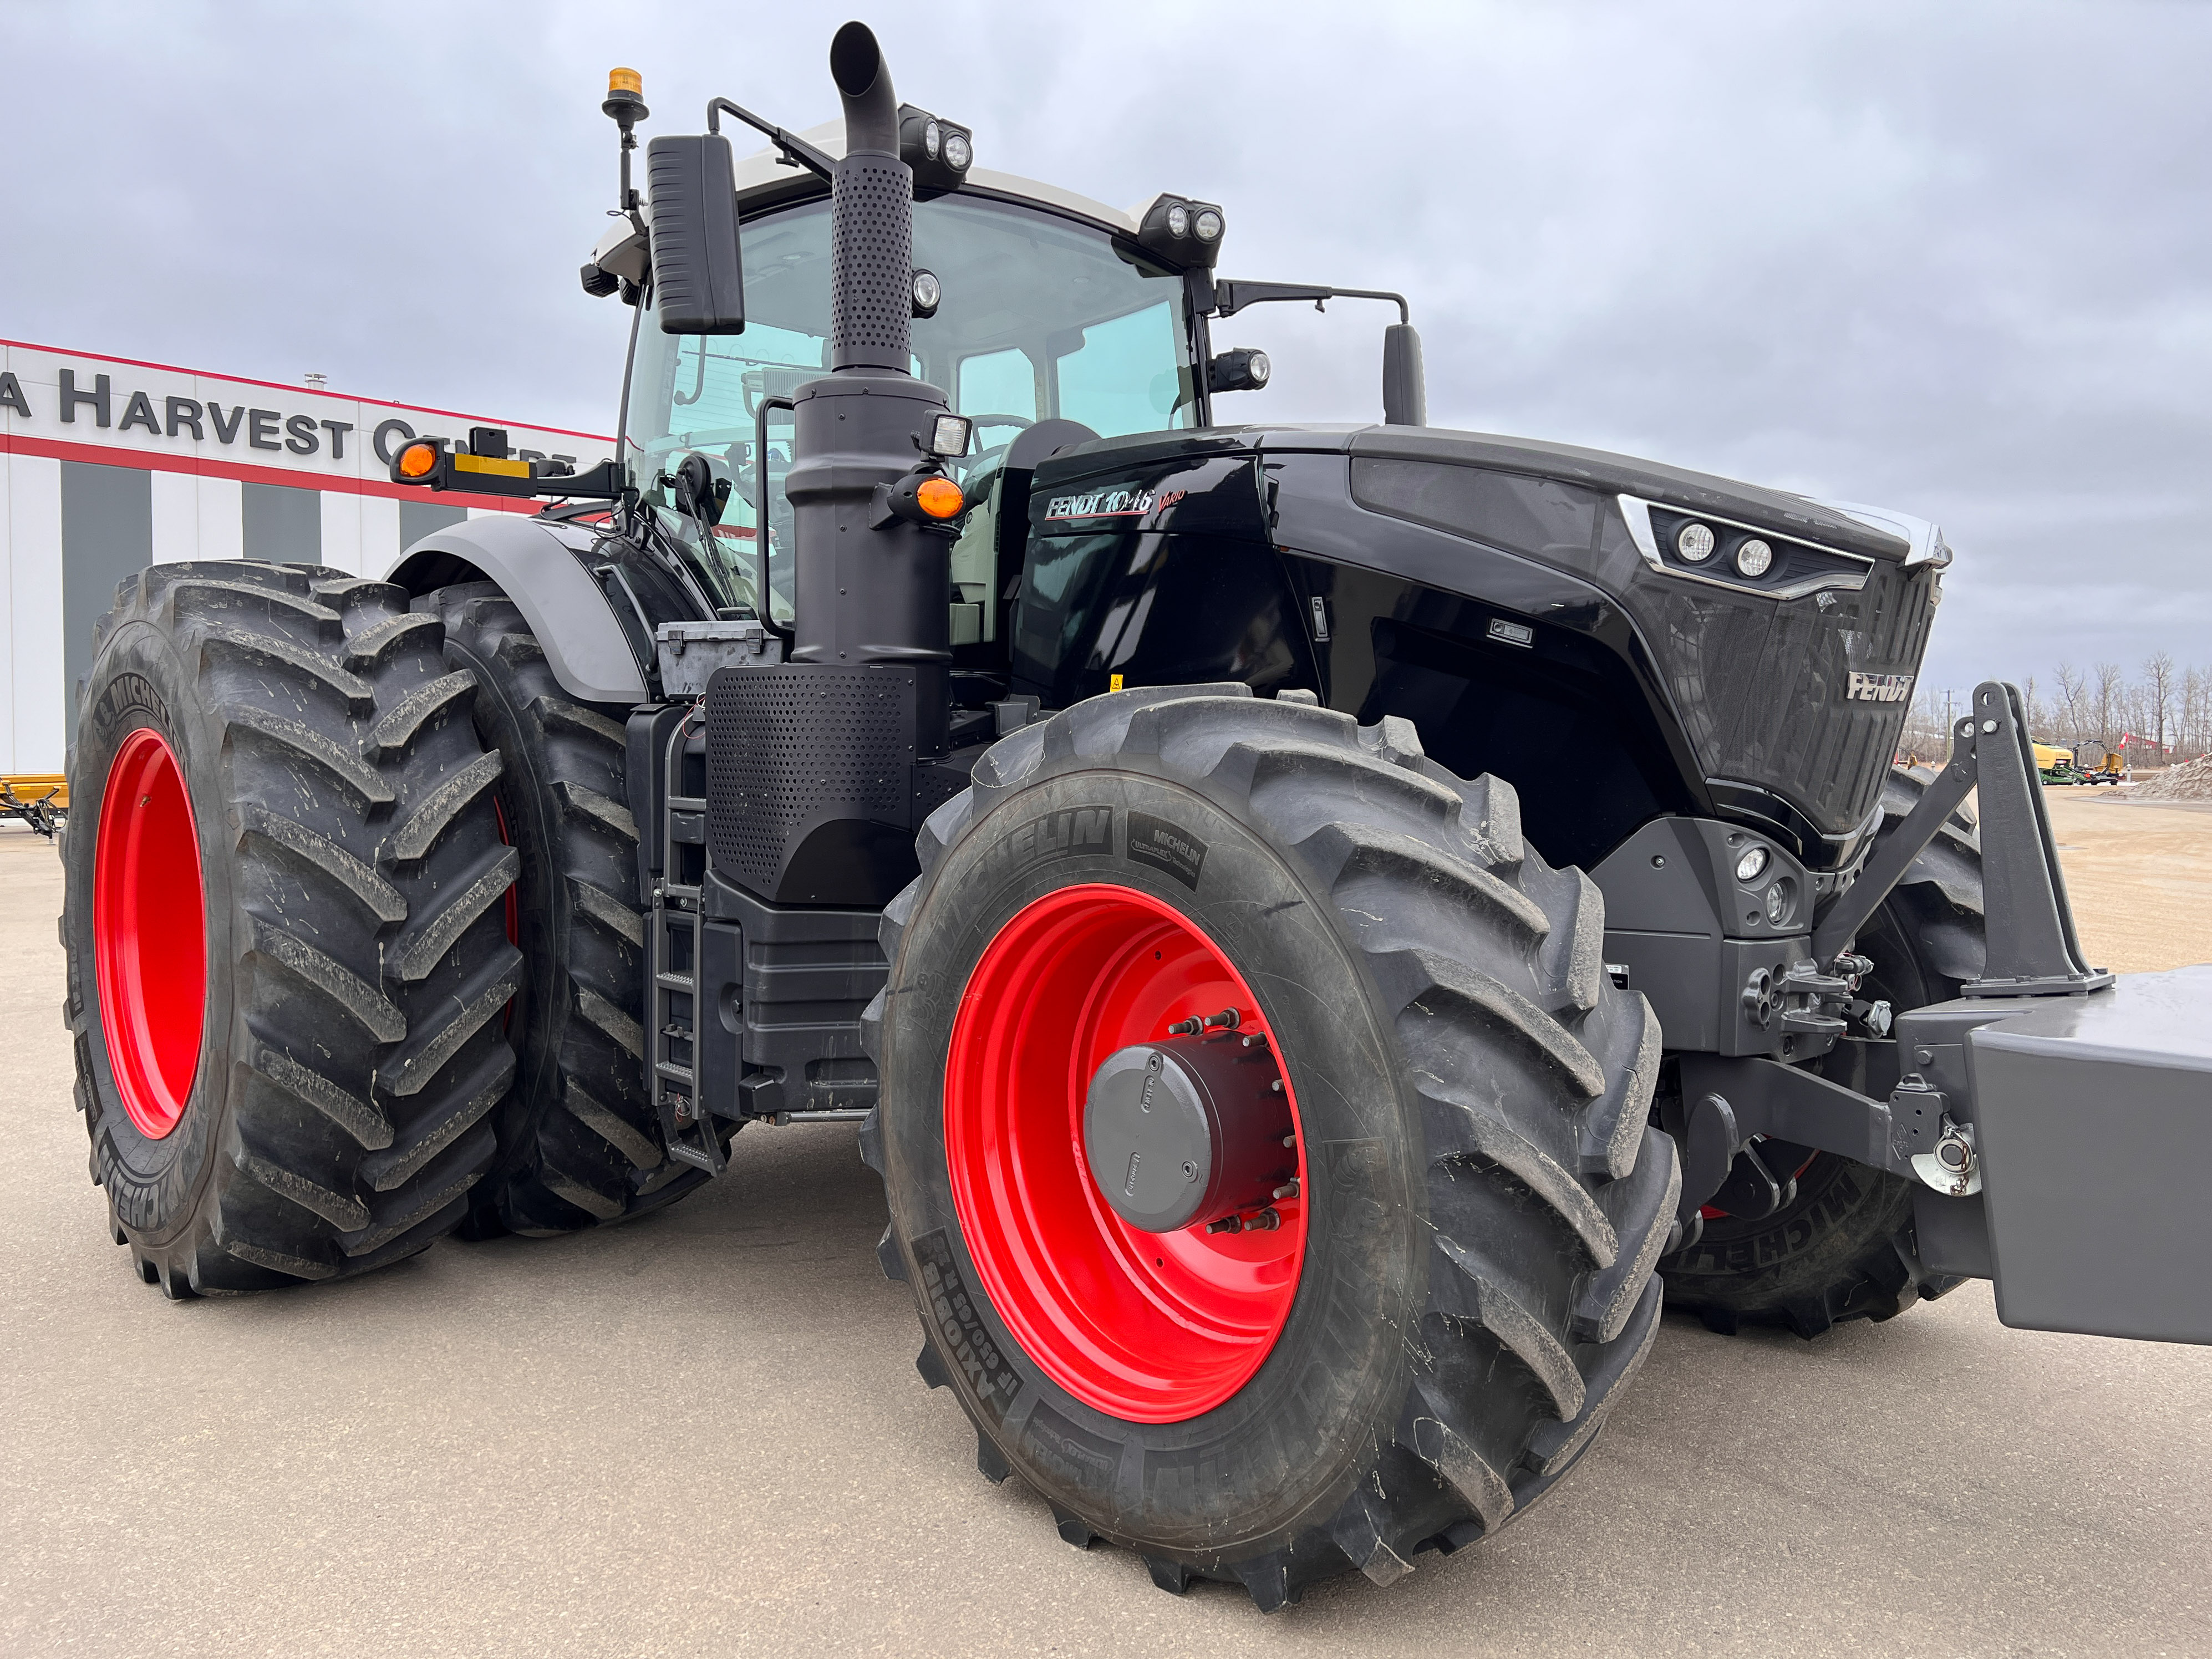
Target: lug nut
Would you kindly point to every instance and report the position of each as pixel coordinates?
(1288, 1189)
(1266, 1222)
(1228, 1224)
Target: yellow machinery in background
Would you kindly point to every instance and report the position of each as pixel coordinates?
(2055, 765)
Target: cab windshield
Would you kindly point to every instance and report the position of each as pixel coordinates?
(1041, 318)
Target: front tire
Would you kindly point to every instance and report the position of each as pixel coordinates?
(1462, 1279)
(286, 966)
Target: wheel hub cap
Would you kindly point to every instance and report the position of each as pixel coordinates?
(1189, 1129)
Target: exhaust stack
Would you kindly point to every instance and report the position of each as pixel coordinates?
(823, 757)
(871, 216)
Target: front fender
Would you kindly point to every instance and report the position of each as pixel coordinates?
(535, 563)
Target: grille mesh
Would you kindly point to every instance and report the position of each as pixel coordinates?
(793, 746)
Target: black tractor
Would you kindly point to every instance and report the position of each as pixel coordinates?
(1324, 930)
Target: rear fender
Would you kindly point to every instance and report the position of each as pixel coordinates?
(537, 565)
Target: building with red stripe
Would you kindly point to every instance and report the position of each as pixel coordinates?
(109, 464)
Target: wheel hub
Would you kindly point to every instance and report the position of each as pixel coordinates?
(1188, 1129)
(1138, 1316)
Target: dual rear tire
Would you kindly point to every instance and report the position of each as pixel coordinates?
(354, 943)
(287, 962)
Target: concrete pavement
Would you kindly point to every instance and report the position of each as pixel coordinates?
(702, 1433)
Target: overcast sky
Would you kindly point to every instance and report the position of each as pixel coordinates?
(1949, 258)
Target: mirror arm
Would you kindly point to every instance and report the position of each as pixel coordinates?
(795, 148)
(1232, 297)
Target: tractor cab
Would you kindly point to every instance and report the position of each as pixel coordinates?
(1030, 305)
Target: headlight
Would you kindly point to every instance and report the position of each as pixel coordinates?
(1753, 861)
(1209, 224)
(1781, 899)
(958, 152)
(932, 139)
(1695, 543)
(1178, 220)
(1753, 558)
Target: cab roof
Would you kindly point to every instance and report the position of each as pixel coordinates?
(764, 178)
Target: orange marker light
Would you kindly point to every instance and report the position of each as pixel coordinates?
(416, 461)
(940, 497)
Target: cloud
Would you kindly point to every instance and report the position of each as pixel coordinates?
(1954, 260)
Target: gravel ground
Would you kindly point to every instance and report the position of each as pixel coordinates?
(702, 1434)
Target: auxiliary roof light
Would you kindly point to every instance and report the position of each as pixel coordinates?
(1752, 864)
(1754, 557)
(1184, 234)
(1694, 542)
(938, 151)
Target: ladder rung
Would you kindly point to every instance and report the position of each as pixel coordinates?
(672, 1071)
(676, 982)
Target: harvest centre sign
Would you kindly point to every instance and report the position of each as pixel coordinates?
(109, 464)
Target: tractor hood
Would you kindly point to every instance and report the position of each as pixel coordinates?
(1777, 637)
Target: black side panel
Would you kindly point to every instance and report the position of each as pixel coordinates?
(1159, 572)
(1544, 704)
(781, 992)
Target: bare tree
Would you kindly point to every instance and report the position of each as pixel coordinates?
(2158, 689)
(2070, 689)
(2108, 699)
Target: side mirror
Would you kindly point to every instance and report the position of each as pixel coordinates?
(1242, 370)
(698, 276)
(1405, 391)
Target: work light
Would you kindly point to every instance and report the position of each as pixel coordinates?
(949, 435)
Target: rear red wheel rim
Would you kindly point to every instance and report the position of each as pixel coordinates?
(149, 932)
(1150, 1328)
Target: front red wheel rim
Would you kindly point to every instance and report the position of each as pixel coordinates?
(1150, 1328)
(149, 932)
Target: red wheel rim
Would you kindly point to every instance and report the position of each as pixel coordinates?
(1151, 1327)
(149, 932)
